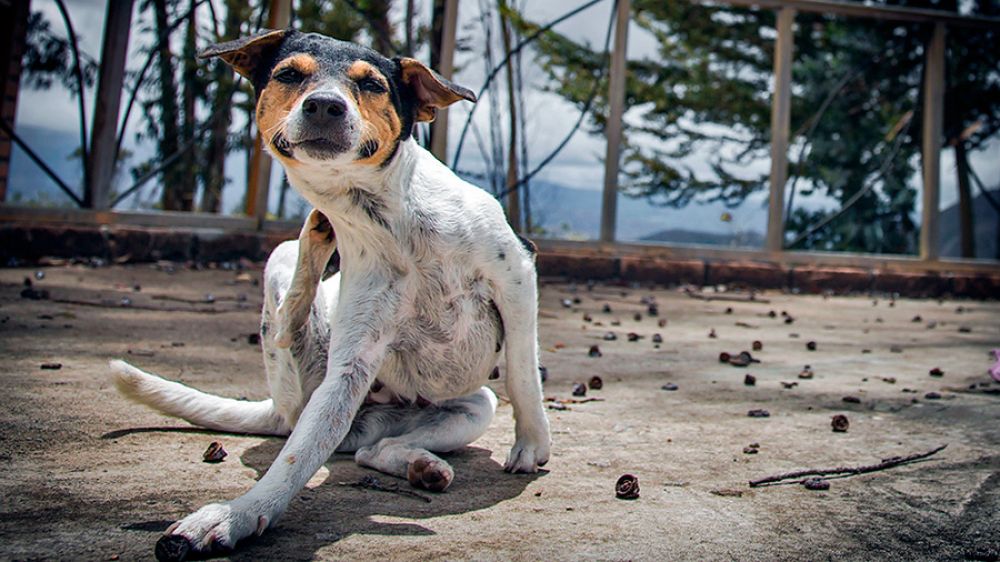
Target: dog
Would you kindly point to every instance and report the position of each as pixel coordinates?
(387, 358)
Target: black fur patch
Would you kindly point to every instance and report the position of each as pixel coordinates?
(370, 204)
(501, 332)
(528, 245)
(280, 143)
(368, 149)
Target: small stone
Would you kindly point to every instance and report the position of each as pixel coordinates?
(577, 300)
(595, 383)
(637, 317)
(669, 387)
(662, 322)
(594, 351)
(759, 414)
(653, 310)
(916, 318)
(936, 372)
(39, 274)
(50, 366)
(890, 380)
(895, 349)
(729, 310)
(811, 345)
(789, 320)
(633, 337)
(933, 395)
(616, 322)
(964, 330)
(657, 338)
(772, 314)
(817, 484)
(567, 303)
(610, 336)
(606, 308)
(588, 318)
(851, 399)
(840, 423)
(757, 345)
(749, 380)
(579, 389)
(253, 339)
(750, 451)
(806, 373)
(627, 487)
(214, 453)
(711, 333)
(724, 357)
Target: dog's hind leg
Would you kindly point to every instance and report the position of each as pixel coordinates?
(401, 441)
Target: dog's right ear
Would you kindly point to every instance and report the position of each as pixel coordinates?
(247, 53)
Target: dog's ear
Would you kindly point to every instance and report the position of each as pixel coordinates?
(247, 53)
(430, 91)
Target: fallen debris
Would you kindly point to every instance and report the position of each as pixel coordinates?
(936, 372)
(50, 366)
(842, 472)
(759, 414)
(817, 484)
(579, 389)
(215, 453)
(627, 487)
(840, 423)
(669, 387)
(749, 380)
(595, 383)
(594, 351)
(728, 492)
(370, 482)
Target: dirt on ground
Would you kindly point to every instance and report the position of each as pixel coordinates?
(86, 475)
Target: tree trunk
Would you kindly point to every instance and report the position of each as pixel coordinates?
(171, 199)
(222, 115)
(377, 13)
(409, 28)
(513, 195)
(967, 225)
(437, 33)
(188, 163)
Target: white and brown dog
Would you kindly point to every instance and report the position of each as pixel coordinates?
(386, 359)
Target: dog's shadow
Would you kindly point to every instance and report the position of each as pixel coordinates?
(334, 509)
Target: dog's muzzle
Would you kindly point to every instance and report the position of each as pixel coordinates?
(322, 127)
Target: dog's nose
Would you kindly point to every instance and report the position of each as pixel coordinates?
(324, 107)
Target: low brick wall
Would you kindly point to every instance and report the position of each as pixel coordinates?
(24, 243)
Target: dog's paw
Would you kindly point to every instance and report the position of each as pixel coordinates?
(430, 474)
(318, 229)
(528, 454)
(212, 530)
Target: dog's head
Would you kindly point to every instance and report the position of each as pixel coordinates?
(325, 102)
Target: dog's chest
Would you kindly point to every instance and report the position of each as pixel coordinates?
(448, 334)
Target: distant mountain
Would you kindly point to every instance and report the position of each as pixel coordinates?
(985, 222)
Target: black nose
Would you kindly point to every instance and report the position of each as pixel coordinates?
(324, 107)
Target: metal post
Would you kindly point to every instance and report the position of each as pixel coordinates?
(930, 238)
(616, 100)
(781, 111)
(279, 15)
(439, 136)
(114, 51)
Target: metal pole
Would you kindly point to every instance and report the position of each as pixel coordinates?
(616, 100)
(930, 238)
(781, 110)
(279, 15)
(439, 136)
(114, 51)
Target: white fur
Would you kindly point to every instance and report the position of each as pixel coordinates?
(411, 307)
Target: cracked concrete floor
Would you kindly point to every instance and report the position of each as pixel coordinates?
(86, 475)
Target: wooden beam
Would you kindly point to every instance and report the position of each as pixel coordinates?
(13, 30)
(616, 101)
(933, 121)
(279, 16)
(103, 141)
(439, 135)
(868, 11)
(781, 111)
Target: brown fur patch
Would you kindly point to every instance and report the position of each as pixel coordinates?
(383, 123)
(277, 99)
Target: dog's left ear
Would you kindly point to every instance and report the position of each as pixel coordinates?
(247, 53)
(431, 91)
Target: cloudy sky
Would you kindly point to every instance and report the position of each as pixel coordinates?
(48, 119)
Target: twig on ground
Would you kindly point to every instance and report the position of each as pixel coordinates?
(573, 400)
(730, 298)
(370, 482)
(845, 471)
(134, 306)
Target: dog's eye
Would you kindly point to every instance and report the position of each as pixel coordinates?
(369, 84)
(289, 75)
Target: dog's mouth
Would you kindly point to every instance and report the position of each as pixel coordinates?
(320, 148)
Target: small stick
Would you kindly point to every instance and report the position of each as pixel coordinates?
(730, 298)
(846, 471)
(134, 306)
(573, 400)
(372, 483)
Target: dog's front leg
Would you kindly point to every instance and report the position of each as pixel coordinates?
(317, 241)
(361, 332)
(518, 305)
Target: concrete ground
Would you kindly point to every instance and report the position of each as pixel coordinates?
(86, 475)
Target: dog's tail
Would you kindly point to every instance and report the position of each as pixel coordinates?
(180, 401)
